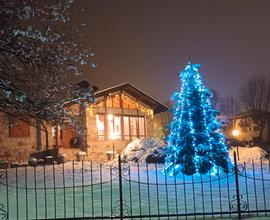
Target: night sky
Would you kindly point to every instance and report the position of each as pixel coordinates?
(146, 42)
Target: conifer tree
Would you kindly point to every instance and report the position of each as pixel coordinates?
(195, 142)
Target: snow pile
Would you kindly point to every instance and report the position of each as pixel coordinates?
(153, 150)
(148, 150)
(247, 154)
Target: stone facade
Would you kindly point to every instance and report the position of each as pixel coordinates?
(17, 149)
(100, 150)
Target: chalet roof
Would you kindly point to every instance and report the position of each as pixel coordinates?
(136, 93)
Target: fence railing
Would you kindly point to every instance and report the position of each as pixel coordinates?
(87, 190)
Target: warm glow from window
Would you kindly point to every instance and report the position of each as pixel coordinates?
(141, 127)
(133, 127)
(110, 117)
(126, 128)
(114, 126)
(100, 126)
(113, 136)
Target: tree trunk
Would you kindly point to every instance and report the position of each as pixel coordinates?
(56, 137)
(38, 129)
(47, 139)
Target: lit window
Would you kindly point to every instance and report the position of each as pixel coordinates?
(117, 126)
(100, 127)
(141, 127)
(114, 127)
(126, 128)
(133, 127)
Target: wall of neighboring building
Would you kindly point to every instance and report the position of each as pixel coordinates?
(248, 130)
(17, 149)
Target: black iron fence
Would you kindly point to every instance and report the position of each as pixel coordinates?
(87, 190)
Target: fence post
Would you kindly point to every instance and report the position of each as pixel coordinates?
(237, 185)
(120, 187)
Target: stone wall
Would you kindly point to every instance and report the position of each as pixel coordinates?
(98, 150)
(15, 149)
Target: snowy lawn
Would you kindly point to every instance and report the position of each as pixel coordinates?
(146, 192)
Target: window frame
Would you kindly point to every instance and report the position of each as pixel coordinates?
(124, 137)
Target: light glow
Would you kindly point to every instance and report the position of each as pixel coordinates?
(113, 136)
(235, 133)
(195, 143)
(110, 117)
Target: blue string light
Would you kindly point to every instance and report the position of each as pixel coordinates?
(195, 142)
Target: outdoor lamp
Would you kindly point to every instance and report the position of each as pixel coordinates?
(235, 133)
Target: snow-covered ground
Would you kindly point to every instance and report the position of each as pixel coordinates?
(145, 187)
(166, 194)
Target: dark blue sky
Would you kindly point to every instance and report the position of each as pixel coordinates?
(146, 42)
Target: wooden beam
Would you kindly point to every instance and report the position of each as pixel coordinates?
(122, 116)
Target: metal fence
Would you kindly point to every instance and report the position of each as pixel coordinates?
(87, 190)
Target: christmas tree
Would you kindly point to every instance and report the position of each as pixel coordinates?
(195, 142)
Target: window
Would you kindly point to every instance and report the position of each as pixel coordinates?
(100, 127)
(18, 128)
(114, 127)
(126, 128)
(141, 127)
(133, 127)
